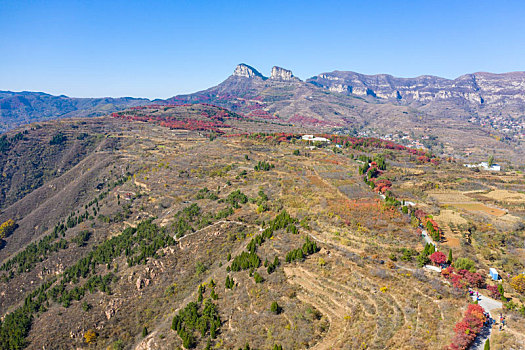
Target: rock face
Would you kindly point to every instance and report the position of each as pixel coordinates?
(279, 73)
(246, 71)
(475, 89)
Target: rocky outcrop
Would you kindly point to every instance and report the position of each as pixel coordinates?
(246, 71)
(475, 89)
(279, 73)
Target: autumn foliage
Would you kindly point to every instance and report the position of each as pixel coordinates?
(518, 283)
(7, 228)
(468, 328)
(494, 291)
(90, 336)
(463, 278)
(438, 258)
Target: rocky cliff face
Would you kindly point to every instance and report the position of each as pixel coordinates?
(246, 71)
(475, 90)
(279, 73)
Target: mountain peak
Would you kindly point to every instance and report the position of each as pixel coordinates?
(246, 71)
(279, 73)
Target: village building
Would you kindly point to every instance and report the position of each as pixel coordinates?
(315, 138)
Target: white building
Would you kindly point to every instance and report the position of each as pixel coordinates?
(485, 166)
(315, 138)
(493, 167)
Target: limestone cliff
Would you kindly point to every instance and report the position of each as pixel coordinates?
(475, 89)
(246, 71)
(279, 73)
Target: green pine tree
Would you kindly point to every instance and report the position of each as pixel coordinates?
(450, 256)
(487, 345)
(144, 332)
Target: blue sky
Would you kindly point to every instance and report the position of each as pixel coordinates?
(158, 49)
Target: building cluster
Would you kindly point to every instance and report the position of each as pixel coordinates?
(512, 128)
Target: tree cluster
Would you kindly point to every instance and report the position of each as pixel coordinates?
(271, 267)
(309, 247)
(205, 193)
(263, 166)
(245, 261)
(196, 318)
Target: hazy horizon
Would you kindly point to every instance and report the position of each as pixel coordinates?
(162, 49)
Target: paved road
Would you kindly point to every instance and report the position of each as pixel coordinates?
(427, 239)
(433, 268)
(488, 304)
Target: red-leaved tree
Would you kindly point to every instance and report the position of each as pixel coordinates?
(438, 258)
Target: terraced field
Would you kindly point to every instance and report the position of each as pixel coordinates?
(359, 287)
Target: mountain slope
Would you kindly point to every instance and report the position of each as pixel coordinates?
(18, 108)
(468, 94)
(383, 105)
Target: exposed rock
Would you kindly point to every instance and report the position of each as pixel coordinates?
(279, 73)
(471, 89)
(148, 343)
(246, 71)
(112, 307)
(142, 282)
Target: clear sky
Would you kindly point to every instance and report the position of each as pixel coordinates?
(158, 49)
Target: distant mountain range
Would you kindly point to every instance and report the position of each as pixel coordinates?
(478, 107)
(474, 94)
(18, 108)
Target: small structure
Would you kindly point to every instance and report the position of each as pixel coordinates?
(493, 167)
(485, 166)
(315, 138)
(493, 274)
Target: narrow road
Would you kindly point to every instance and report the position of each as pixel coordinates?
(487, 304)
(214, 224)
(427, 239)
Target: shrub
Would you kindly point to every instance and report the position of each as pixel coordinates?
(7, 228)
(464, 264)
(81, 238)
(407, 254)
(463, 278)
(90, 336)
(85, 306)
(58, 139)
(258, 278)
(467, 329)
(236, 197)
(229, 282)
(518, 283)
(494, 292)
(275, 308)
(263, 166)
